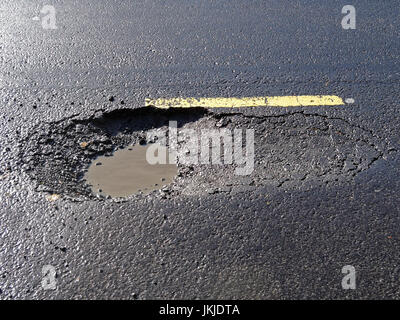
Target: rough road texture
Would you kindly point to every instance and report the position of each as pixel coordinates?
(324, 192)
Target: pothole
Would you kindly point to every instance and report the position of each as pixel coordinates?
(57, 155)
(296, 147)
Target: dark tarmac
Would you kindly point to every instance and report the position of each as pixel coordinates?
(284, 232)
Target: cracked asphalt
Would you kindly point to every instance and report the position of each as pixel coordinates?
(324, 191)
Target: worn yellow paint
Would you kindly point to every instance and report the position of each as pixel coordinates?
(279, 101)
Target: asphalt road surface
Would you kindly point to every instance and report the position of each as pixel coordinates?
(325, 188)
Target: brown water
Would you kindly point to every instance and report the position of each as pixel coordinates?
(127, 172)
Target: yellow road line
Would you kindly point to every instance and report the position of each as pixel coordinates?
(281, 101)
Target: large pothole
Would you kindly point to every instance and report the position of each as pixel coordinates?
(294, 147)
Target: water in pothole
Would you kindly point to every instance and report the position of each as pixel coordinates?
(127, 172)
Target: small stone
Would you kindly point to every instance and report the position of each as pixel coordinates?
(53, 197)
(83, 144)
(111, 99)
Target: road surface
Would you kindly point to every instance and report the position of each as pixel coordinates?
(325, 190)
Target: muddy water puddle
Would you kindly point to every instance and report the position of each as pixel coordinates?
(127, 172)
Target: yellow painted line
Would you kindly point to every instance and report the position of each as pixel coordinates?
(280, 101)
